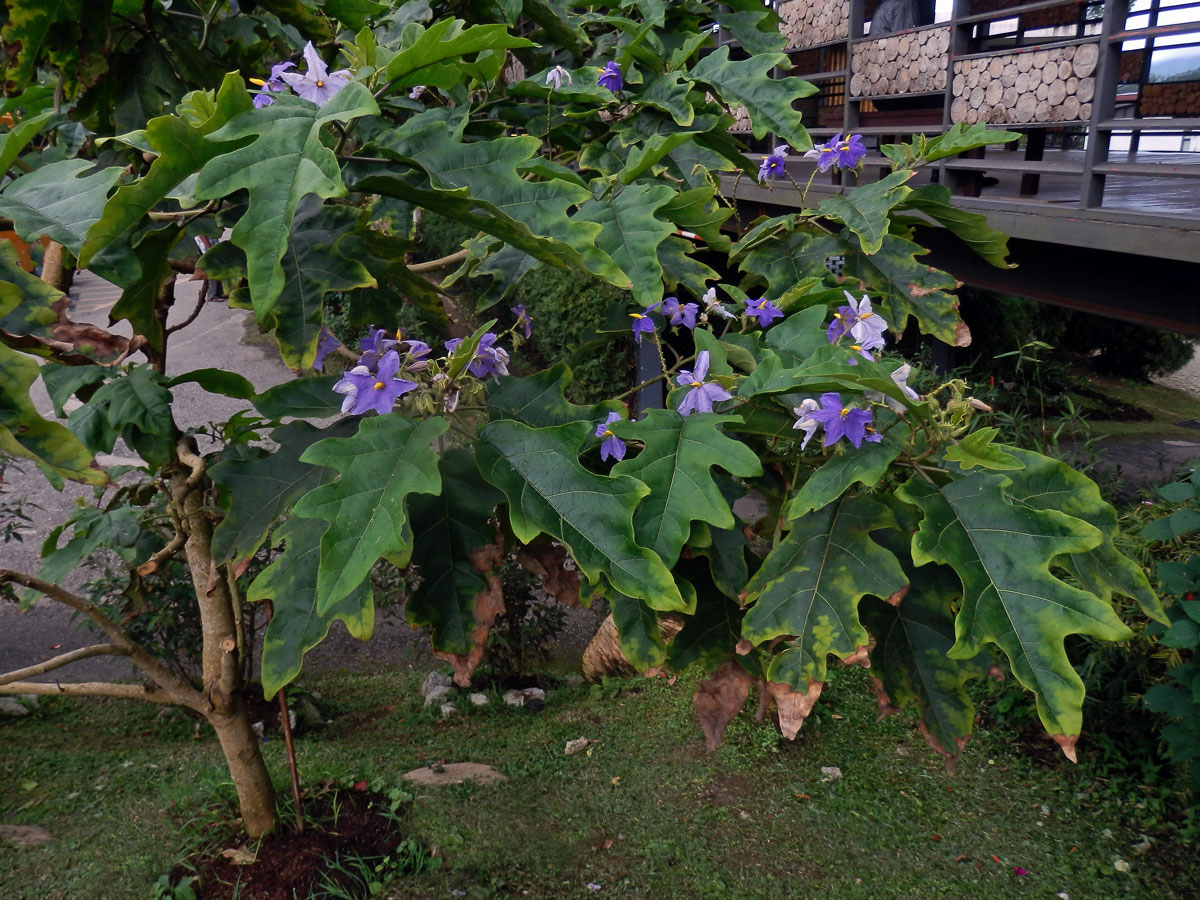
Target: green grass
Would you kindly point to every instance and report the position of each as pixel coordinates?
(645, 814)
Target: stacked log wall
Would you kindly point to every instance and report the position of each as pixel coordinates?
(909, 63)
(806, 23)
(1052, 85)
(1170, 98)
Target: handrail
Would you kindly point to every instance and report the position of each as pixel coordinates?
(1010, 12)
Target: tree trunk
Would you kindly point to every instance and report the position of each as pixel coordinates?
(223, 685)
(256, 793)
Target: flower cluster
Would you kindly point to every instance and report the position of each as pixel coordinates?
(317, 84)
(862, 323)
(489, 360)
(375, 383)
(839, 421)
(844, 154)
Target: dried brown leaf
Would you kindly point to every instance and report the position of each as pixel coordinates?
(794, 706)
(719, 699)
(884, 706)
(550, 563)
(935, 745)
(1067, 743)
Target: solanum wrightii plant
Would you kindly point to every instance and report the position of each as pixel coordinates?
(879, 526)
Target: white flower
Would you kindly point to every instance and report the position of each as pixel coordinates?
(711, 305)
(416, 92)
(556, 75)
(347, 387)
(805, 422)
(868, 325)
(900, 376)
(317, 84)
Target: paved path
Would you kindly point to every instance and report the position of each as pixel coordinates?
(213, 340)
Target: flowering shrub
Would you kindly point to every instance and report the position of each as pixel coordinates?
(907, 539)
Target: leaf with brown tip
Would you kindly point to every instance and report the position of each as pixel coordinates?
(719, 699)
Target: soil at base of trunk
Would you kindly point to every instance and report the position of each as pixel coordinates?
(289, 864)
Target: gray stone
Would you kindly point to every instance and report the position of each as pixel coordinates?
(437, 694)
(573, 681)
(12, 708)
(514, 698)
(478, 699)
(448, 710)
(433, 681)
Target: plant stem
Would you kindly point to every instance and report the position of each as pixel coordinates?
(293, 771)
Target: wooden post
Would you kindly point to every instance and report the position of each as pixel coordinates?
(1035, 149)
(1108, 68)
(960, 37)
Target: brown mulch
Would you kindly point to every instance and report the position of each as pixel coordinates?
(288, 864)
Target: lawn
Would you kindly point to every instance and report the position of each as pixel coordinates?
(643, 814)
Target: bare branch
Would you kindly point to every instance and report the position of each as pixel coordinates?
(173, 546)
(95, 689)
(187, 455)
(61, 660)
(444, 263)
(195, 314)
(182, 692)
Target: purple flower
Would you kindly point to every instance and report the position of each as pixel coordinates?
(680, 313)
(845, 154)
(773, 165)
(326, 344)
(613, 447)
(489, 361)
(610, 77)
(702, 395)
(840, 421)
(377, 391)
(805, 422)
(864, 348)
(317, 84)
(642, 324)
(842, 321)
(523, 319)
(763, 310)
(374, 345)
(273, 85)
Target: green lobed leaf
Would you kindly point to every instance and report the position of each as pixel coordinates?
(354, 13)
(216, 381)
(58, 201)
(285, 162)
(447, 528)
(182, 151)
(977, 449)
(446, 41)
(971, 228)
(306, 398)
(18, 136)
(783, 261)
(26, 302)
(811, 583)
(538, 400)
(298, 623)
(909, 656)
(768, 100)
(1002, 553)
(135, 407)
(26, 29)
(550, 493)
(709, 636)
(25, 434)
(630, 234)
(116, 529)
(676, 462)
(1051, 484)
(867, 465)
(386, 460)
(910, 287)
(312, 267)
(865, 210)
(255, 490)
(753, 25)
(138, 303)
(637, 631)
(62, 382)
(960, 137)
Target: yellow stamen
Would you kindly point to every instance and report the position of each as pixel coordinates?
(845, 412)
(857, 348)
(636, 316)
(379, 386)
(763, 305)
(865, 315)
(607, 433)
(320, 83)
